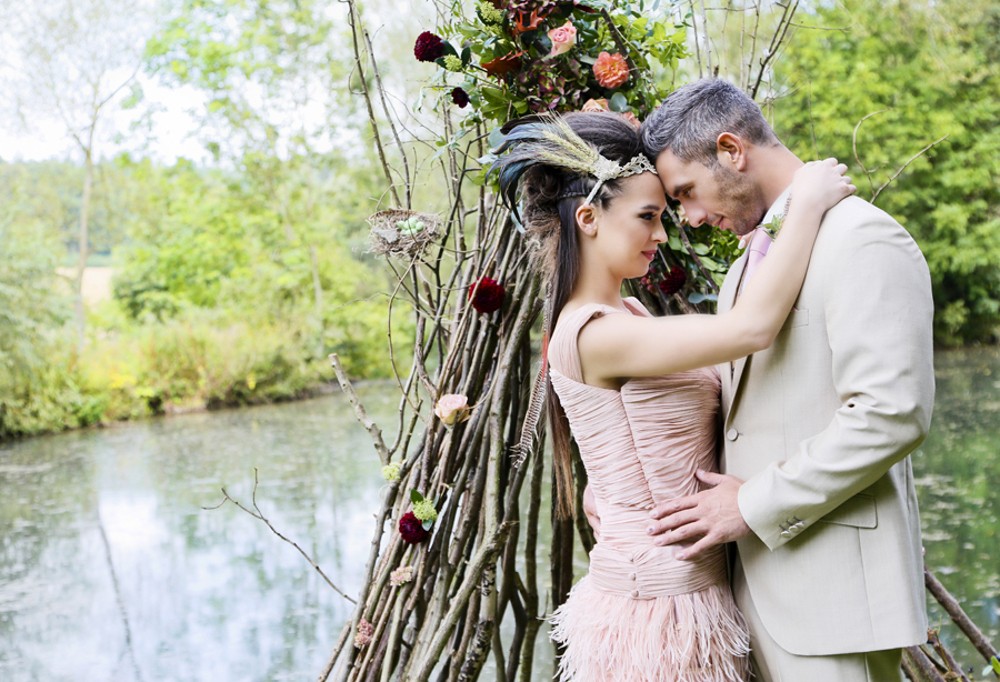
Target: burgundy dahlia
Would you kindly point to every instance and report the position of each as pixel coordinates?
(486, 295)
(412, 529)
(460, 97)
(428, 47)
(673, 281)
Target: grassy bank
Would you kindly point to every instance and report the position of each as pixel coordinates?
(197, 361)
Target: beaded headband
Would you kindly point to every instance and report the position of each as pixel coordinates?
(606, 169)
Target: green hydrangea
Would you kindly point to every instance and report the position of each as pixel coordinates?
(424, 510)
(390, 472)
(489, 13)
(452, 63)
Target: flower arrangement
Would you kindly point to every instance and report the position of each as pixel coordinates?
(412, 529)
(390, 472)
(401, 576)
(452, 408)
(415, 526)
(512, 58)
(660, 278)
(487, 295)
(521, 56)
(364, 635)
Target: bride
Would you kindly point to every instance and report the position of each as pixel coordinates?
(638, 394)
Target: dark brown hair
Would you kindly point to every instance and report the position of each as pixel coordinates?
(550, 195)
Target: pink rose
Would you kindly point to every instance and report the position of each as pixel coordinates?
(596, 105)
(631, 118)
(563, 39)
(452, 408)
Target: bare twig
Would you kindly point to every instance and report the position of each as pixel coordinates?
(259, 515)
(352, 20)
(903, 167)
(958, 616)
(854, 146)
(359, 410)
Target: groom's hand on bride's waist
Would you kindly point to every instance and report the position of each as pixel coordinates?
(701, 521)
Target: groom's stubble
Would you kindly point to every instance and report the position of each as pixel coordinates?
(740, 199)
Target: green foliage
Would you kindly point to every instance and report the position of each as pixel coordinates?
(29, 299)
(923, 71)
(200, 360)
(510, 68)
(50, 196)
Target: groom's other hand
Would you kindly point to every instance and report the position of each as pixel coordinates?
(590, 511)
(706, 519)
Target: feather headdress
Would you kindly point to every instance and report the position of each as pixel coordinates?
(550, 141)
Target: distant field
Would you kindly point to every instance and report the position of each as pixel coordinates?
(96, 282)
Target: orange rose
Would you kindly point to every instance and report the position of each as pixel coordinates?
(611, 70)
(563, 39)
(596, 105)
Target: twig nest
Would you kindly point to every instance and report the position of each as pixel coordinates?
(397, 232)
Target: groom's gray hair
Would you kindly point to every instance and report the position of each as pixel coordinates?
(691, 119)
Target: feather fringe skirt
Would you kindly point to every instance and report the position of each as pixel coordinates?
(694, 637)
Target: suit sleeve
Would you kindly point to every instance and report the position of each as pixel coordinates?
(878, 311)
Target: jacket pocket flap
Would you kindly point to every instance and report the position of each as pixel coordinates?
(859, 511)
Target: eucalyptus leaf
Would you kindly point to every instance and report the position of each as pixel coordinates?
(698, 297)
(618, 102)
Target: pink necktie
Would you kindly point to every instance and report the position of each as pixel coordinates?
(759, 244)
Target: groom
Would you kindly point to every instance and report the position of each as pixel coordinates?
(817, 488)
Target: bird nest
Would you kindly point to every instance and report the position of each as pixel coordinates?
(397, 232)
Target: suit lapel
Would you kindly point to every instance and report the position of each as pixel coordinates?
(731, 371)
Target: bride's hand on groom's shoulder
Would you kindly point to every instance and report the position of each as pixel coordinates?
(821, 184)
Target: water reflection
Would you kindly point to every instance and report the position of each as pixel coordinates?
(957, 470)
(111, 570)
(177, 592)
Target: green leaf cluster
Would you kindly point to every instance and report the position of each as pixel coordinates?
(922, 71)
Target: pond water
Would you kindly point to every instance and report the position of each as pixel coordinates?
(111, 568)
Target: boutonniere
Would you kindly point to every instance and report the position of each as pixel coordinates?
(773, 226)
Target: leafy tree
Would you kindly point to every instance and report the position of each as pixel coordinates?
(908, 74)
(72, 62)
(30, 304)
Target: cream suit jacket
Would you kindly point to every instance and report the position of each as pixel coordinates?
(819, 427)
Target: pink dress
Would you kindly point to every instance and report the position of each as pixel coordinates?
(640, 615)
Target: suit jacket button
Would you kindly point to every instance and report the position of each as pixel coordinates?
(732, 434)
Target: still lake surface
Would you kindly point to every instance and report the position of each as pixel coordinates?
(111, 568)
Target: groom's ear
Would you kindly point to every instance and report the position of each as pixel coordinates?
(731, 151)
